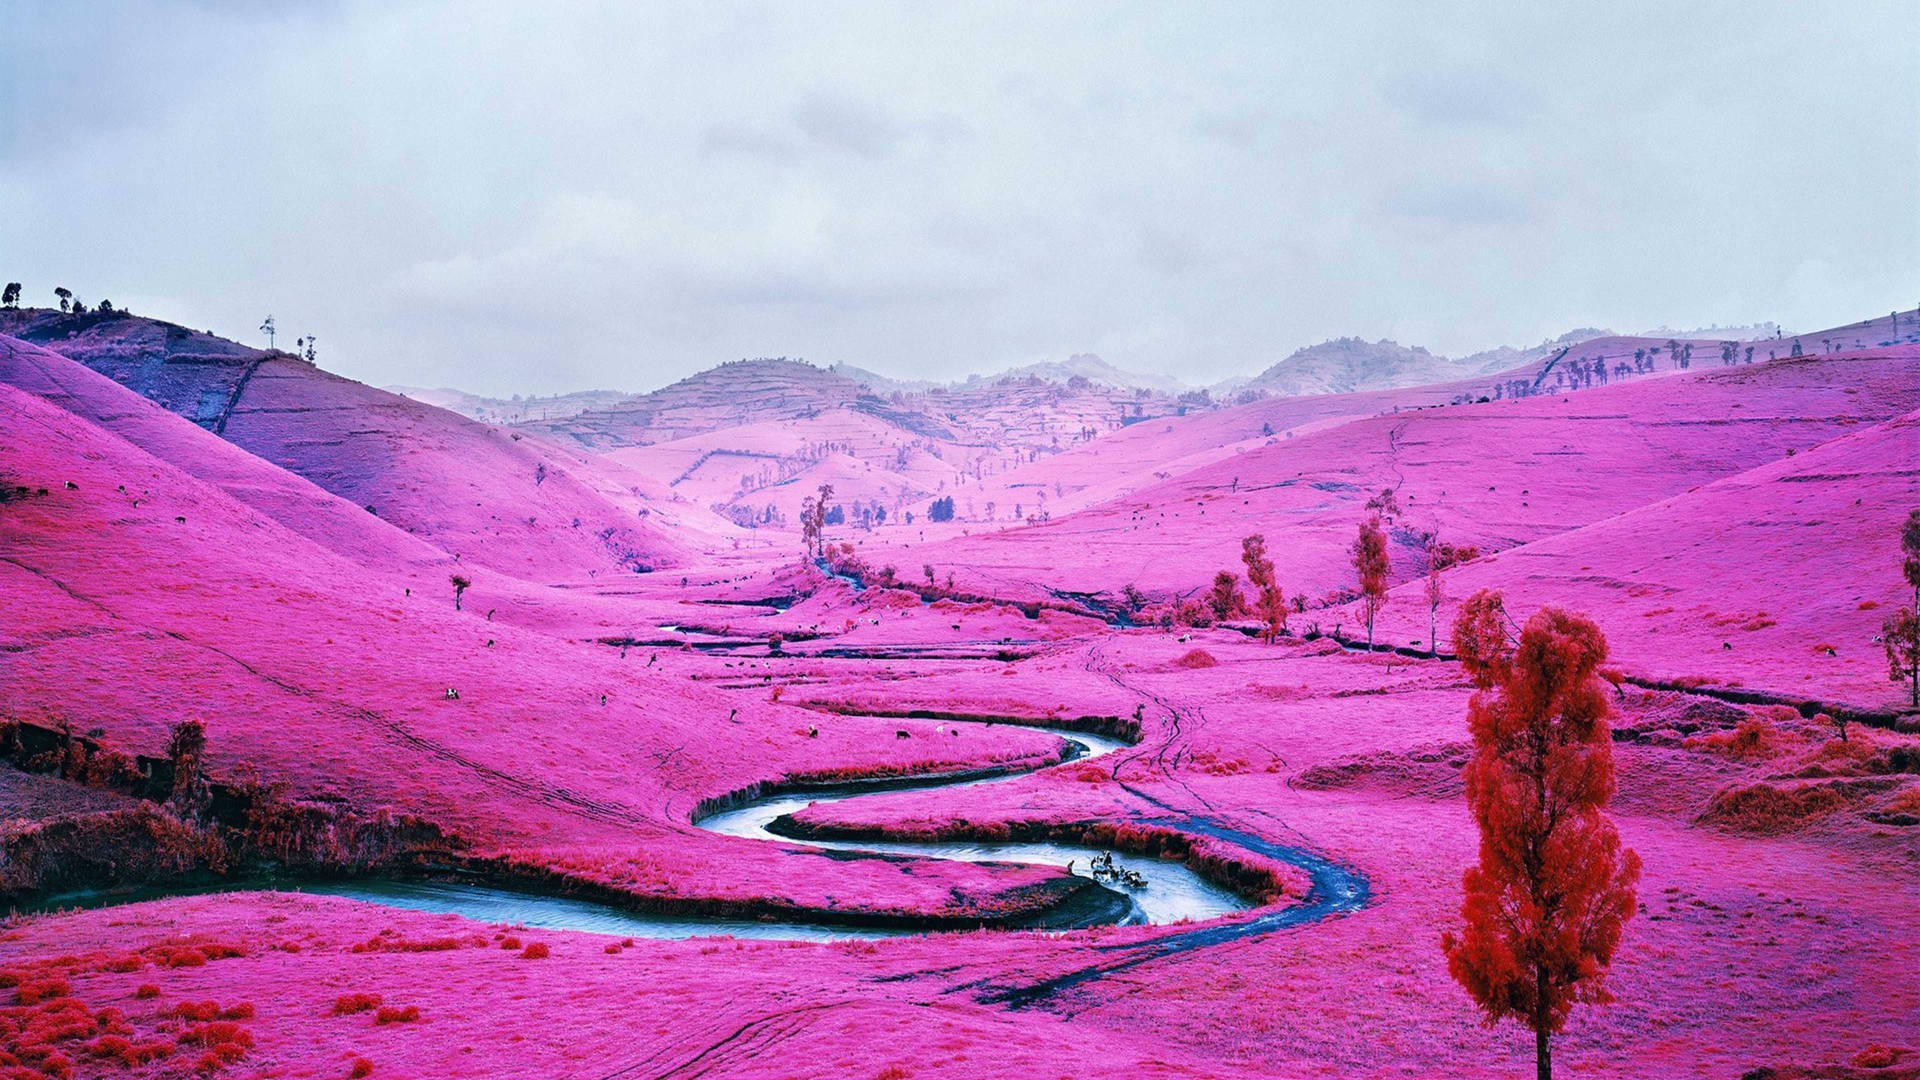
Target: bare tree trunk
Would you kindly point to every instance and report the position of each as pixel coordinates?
(1542, 1051)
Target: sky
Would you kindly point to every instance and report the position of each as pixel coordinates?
(543, 197)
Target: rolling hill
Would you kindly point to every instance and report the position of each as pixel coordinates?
(471, 490)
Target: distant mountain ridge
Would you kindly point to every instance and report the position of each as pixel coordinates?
(1349, 365)
(1336, 366)
(1094, 369)
(513, 410)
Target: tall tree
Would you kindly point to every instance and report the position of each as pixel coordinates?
(1436, 592)
(1441, 557)
(1545, 907)
(1910, 554)
(809, 527)
(822, 500)
(1268, 601)
(65, 294)
(1370, 566)
(10, 296)
(1900, 633)
(460, 584)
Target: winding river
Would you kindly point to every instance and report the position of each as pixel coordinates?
(1172, 893)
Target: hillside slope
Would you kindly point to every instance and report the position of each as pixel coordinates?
(139, 595)
(470, 490)
(293, 502)
(1775, 578)
(1498, 474)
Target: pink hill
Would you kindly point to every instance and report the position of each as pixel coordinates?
(472, 491)
(1554, 462)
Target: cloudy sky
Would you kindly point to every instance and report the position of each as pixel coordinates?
(566, 195)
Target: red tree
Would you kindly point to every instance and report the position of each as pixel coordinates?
(1480, 638)
(1224, 598)
(1370, 564)
(1269, 601)
(1545, 907)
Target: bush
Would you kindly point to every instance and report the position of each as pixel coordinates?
(35, 991)
(1878, 1057)
(361, 1067)
(226, 1042)
(1192, 613)
(354, 1003)
(216, 1033)
(1766, 808)
(395, 1014)
(1907, 801)
(128, 1053)
(535, 951)
(1753, 737)
(1196, 658)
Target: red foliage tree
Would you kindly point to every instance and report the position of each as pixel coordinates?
(1269, 601)
(1370, 564)
(1480, 638)
(1224, 598)
(1545, 907)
